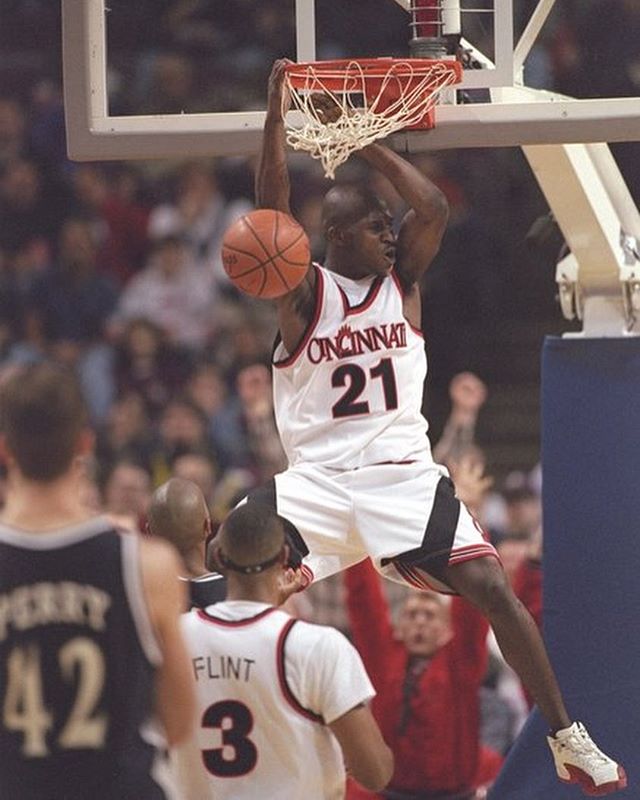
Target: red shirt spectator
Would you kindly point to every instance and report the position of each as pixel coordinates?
(427, 682)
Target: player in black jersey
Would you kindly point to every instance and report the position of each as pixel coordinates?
(90, 646)
(179, 514)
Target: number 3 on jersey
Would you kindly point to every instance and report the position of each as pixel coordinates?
(354, 378)
(234, 720)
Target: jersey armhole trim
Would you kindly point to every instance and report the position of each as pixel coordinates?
(396, 279)
(317, 311)
(282, 677)
(132, 576)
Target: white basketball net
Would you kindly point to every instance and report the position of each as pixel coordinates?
(363, 119)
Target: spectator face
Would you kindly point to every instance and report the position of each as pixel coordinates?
(424, 626)
(90, 186)
(181, 425)
(128, 491)
(196, 468)
(524, 513)
(254, 385)
(21, 185)
(126, 420)
(173, 77)
(142, 340)
(207, 390)
(11, 123)
(197, 182)
(77, 249)
(512, 553)
(169, 258)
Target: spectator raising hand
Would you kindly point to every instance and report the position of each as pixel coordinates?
(468, 394)
(471, 482)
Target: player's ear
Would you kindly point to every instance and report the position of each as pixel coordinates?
(212, 559)
(338, 235)
(5, 454)
(86, 442)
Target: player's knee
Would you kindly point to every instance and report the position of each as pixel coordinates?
(491, 589)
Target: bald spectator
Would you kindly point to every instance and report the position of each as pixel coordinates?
(179, 514)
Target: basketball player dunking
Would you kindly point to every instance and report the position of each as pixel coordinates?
(348, 382)
(90, 645)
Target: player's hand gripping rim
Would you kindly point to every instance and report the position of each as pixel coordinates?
(278, 95)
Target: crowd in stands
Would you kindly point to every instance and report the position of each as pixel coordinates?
(115, 269)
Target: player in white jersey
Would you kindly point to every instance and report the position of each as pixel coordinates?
(348, 377)
(281, 702)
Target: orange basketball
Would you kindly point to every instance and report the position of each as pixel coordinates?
(266, 253)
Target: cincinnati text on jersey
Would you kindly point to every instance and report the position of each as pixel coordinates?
(348, 342)
(53, 603)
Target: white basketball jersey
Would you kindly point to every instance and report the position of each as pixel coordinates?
(351, 393)
(267, 684)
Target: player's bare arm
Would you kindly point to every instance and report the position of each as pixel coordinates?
(272, 186)
(423, 226)
(273, 189)
(365, 752)
(166, 600)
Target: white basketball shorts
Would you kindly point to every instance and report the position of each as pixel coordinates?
(404, 516)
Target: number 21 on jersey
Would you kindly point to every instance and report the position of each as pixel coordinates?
(354, 378)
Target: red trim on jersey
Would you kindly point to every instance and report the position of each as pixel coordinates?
(282, 676)
(290, 359)
(233, 623)
(417, 331)
(396, 280)
(345, 299)
(374, 289)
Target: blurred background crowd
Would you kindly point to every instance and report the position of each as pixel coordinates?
(114, 268)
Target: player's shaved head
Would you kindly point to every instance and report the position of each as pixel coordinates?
(179, 514)
(252, 534)
(345, 204)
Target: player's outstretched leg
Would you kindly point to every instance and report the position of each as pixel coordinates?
(577, 759)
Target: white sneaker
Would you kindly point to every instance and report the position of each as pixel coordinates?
(578, 760)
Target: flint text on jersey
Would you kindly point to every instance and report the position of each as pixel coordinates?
(222, 667)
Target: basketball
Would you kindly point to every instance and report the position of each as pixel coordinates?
(266, 253)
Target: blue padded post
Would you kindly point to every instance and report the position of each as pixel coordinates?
(591, 502)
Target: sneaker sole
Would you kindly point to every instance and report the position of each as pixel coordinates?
(587, 785)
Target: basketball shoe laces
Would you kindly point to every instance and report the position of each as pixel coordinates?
(579, 760)
(579, 742)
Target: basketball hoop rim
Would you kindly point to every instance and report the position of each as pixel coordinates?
(298, 73)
